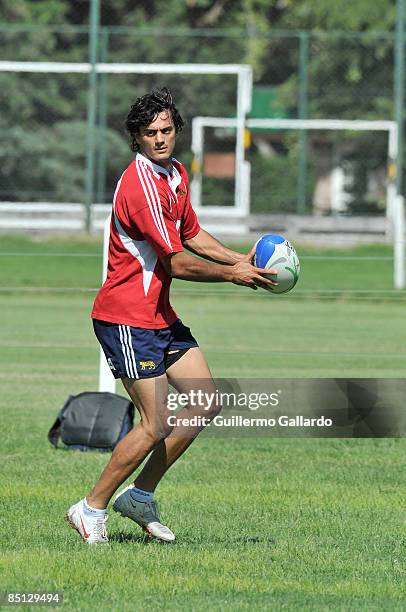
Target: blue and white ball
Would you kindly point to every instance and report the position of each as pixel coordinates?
(274, 251)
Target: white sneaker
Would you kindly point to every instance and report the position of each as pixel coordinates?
(92, 529)
(145, 514)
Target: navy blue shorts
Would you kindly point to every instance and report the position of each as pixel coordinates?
(135, 352)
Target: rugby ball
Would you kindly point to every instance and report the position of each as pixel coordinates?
(274, 251)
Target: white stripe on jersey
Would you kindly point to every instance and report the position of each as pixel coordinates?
(152, 203)
(148, 194)
(158, 201)
(125, 352)
(132, 356)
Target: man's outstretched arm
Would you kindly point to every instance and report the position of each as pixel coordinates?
(186, 267)
(206, 246)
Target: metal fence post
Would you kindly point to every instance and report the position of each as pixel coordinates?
(399, 87)
(91, 108)
(102, 122)
(302, 108)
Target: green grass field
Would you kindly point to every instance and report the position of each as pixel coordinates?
(266, 523)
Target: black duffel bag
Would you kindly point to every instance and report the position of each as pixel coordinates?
(92, 421)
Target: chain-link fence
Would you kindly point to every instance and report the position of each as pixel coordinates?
(43, 124)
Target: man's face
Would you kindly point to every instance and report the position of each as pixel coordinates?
(157, 140)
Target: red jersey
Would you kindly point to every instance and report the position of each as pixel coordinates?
(152, 216)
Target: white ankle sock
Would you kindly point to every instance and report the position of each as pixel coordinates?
(90, 511)
(141, 495)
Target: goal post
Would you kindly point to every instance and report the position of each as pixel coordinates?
(200, 123)
(244, 75)
(399, 243)
(395, 212)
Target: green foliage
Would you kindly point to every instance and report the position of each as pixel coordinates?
(53, 164)
(38, 12)
(338, 15)
(274, 181)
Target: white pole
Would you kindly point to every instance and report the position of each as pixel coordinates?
(399, 243)
(244, 95)
(197, 150)
(122, 68)
(391, 181)
(107, 382)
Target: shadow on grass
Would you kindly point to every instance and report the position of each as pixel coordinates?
(229, 540)
(124, 537)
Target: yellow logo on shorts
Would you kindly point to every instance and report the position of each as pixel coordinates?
(147, 364)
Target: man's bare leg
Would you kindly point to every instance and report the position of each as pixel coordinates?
(190, 369)
(150, 397)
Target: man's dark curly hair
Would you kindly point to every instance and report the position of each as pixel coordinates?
(145, 110)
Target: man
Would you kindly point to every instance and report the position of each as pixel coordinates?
(144, 341)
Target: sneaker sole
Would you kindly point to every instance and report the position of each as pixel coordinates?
(143, 527)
